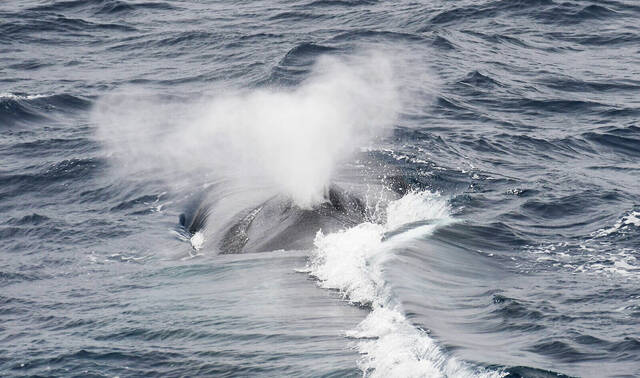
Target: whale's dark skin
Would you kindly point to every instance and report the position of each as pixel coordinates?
(278, 223)
(195, 215)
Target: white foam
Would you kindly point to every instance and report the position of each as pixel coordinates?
(593, 257)
(621, 263)
(12, 96)
(631, 219)
(349, 260)
(415, 207)
(197, 240)
(352, 261)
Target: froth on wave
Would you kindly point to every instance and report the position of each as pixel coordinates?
(352, 261)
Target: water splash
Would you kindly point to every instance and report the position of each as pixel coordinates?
(352, 261)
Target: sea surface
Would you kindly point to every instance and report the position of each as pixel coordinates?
(320, 188)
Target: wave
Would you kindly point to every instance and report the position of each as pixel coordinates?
(15, 109)
(546, 11)
(489, 9)
(297, 64)
(339, 3)
(617, 141)
(102, 7)
(290, 16)
(352, 261)
(50, 178)
(571, 84)
(42, 29)
(622, 225)
(20, 109)
(568, 13)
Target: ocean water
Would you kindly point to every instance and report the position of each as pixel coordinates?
(320, 188)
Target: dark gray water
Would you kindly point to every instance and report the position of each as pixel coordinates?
(165, 168)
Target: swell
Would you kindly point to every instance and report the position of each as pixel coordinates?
(103, 7)
(297, 63)
(470, 297)
(353, 260)
(41, 29)
(14, 184)
(546, 11)
(21, 109)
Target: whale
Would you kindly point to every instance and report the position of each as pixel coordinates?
(279, 224)
(276, 223)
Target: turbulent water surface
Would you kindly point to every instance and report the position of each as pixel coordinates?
(320, 188)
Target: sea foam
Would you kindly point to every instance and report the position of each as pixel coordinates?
(353, 260)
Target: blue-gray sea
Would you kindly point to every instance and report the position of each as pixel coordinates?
(320, 188)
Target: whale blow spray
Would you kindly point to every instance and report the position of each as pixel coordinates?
(281, 140)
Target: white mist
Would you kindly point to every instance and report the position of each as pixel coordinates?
(280, 140)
